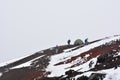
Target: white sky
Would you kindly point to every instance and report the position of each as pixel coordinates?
(27, 26)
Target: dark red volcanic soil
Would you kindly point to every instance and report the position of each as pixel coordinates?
(93, 53)
(27, 73)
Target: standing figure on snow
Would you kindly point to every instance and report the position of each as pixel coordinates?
(56, 49)
(69, 42)
(86, 41)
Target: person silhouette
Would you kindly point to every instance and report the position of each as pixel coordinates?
(69, 41)
(86, 41)
(56, 49)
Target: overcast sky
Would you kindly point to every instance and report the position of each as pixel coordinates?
(28, 26)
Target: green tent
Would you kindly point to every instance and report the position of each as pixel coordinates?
(78, 42)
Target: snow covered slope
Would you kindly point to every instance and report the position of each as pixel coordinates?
(58, 70)
(94, 60)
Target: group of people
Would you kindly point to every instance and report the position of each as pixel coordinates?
(69, 42)
(86, 41)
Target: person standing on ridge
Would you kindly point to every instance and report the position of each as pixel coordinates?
(69, 41)
(56, 49)
(86, 41)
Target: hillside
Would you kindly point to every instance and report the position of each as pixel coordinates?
(98, 60)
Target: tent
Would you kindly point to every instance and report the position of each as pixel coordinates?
(78, 42)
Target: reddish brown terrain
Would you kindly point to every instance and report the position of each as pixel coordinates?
(106, 54)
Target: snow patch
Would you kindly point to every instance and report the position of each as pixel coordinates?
(56, 70)
(68, 50)
(27, 63)
(85, 66)
(87, 55)
(85, 74)
(0, 74)
(112, 74)
(119, 54)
